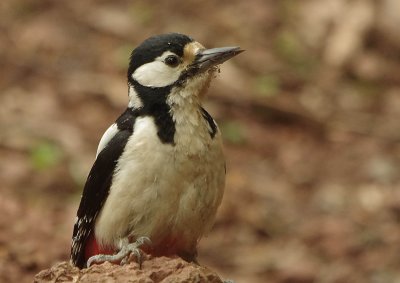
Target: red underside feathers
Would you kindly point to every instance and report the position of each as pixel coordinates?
(93, 248)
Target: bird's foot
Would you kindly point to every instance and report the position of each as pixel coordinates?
(127, 253)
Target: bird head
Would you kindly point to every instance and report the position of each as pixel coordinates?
(173, 65)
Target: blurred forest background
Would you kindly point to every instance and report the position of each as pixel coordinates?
(310, 115)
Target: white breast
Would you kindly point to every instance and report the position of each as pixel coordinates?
(161, 189)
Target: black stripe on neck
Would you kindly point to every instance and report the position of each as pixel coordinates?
(210, 121)
(154, 105)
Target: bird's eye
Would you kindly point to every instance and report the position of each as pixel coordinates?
(172, 61)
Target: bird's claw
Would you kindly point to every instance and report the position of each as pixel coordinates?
(125, 255)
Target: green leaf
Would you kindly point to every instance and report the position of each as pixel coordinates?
(121, 56)
(233, 132)
(45, 155)
(267, 85)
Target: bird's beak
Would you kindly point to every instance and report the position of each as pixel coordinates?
(207, 58)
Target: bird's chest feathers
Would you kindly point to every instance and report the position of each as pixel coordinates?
(183, 180)
(192, 136)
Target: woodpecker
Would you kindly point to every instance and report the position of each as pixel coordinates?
(159, 173)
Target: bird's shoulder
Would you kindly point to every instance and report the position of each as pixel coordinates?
(124, 122)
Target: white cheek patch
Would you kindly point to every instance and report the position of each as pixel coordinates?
(157, 73)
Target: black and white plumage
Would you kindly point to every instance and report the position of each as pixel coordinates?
(159, 170)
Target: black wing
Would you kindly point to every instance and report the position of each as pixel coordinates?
(95, 194)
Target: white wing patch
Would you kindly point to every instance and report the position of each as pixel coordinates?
(107, 136)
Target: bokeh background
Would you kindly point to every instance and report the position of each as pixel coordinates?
(310, 115)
